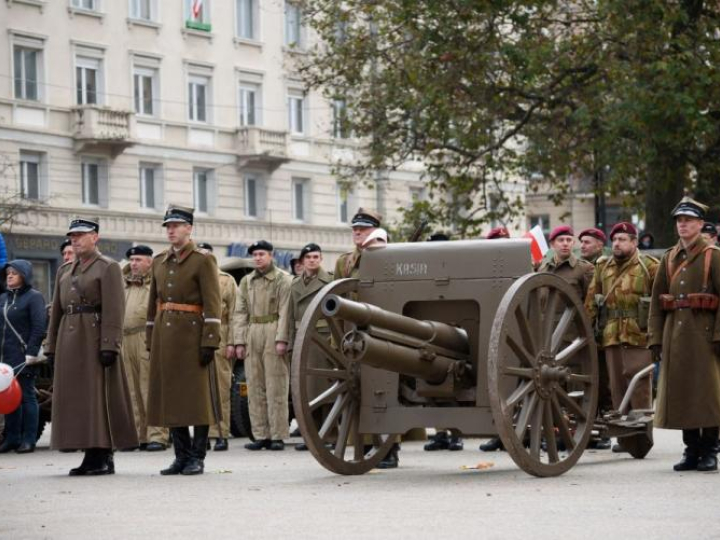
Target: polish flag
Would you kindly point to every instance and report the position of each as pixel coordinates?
(196, 9)
(538, 247)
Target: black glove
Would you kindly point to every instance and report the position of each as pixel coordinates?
(716, 348)
(207, 355)
(108, 358)
(655, 350)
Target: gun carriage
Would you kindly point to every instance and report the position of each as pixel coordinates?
(455, 335)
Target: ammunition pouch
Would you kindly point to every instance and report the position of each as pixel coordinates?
(703, 301)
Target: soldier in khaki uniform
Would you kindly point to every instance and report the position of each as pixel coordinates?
(685, 327)
(224, 356)
(565, 264)
(262, 334)
(183, 333)
(303, 289)
(618, 301)
(592, 244)
(135, 354)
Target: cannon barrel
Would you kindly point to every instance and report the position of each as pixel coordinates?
(364, 315)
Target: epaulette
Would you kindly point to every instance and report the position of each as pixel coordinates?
(160, 254)
(602, 259)
(649, 258)
(203, 251)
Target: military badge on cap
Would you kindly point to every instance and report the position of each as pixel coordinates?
(83, 225)
(595, 233)
(263, 245)
(178, 214)
(309, 248)
(497, 232)
(691, 208)
(145, 251)
(366, 218)
(623, 227)
(65, 243)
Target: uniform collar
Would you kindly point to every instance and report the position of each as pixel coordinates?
(269, 275)
(182, 255)
(632, 259)
(87, 264)
(694, 248)
(322, 275)
(572, 260)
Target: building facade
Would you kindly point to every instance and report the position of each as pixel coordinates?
(117, 108)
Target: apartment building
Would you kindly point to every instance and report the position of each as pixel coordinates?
(117, 108)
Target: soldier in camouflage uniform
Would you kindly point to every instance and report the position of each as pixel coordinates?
(618, 303)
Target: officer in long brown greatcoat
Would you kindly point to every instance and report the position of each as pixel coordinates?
(685, 327)
(91, 401)
(183, 334)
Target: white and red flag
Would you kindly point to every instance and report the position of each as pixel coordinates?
(197, 6)
(538, 246)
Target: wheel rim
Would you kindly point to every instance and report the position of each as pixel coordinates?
(317, 360)
(543, 374)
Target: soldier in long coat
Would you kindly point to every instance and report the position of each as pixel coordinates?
(685, 327)
(183, 333)
(91, 401)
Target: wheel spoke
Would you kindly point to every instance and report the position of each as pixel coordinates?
(571, 350)
(520, 351)
(328, 395)
(527, 409)
(525, 373)
(326, 373)
(332, 354)
(535, 314)
(520, 393)
(343, 432)
(536, 431)
(550, 313)
(561, 423)
(549, 429)
(560, 330)
(335, 330)
(571, 404)
(525, 333)
(577, 377)
(340, 403)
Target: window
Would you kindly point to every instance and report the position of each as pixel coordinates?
(198, 89)
(203, 190)
(254, 197)
(88, 80)
(27, 67)
(418, 193)
(300, 199)
(249, 104)
(151, 185)
(296, 113)
(340, 119)
(90, 5)
(197, 14)
(145, 90)
(294, 31)
(94, 182)
(247, 14)
(347, 201)
(30, 171)
(542, 220)
(144, 10)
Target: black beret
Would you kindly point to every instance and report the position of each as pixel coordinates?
(65, 243)
(205, 245)
(438, 237)
(139, 250)
(709, 228)
(81, 225)
(309, 248)
(260, 244)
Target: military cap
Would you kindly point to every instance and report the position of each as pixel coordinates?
(366, 218)
(561, 230)
(178, 214)
(309, 248)
(438, 237)
(691, 208)
(83, 225)
(260, 244)
(205, 245)
(145, 251)
(497, 232)
(65, 243)
(709, 228)
(623, 227)
(595, 233)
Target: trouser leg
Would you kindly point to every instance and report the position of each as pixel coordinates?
(29, 409)
(635, 359)
(691, 439)
(604, 396)
(182, 443)
(613, 360)
(131, 360)
(255, 373)
(277, 383)
(199, 444)
(708, 441)
(224, 376)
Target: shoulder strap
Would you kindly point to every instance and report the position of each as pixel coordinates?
(647, 274)
(706, 267)
(9, 324)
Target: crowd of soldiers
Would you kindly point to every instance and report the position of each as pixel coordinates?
(146, 353)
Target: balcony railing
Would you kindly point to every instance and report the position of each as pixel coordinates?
(262, 147)
(97, 127)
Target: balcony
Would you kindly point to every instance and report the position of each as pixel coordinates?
(102, 129)
(258, 147)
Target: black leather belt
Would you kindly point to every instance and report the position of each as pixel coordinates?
(73, 309)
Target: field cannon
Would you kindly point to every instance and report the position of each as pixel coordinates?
(453, 335)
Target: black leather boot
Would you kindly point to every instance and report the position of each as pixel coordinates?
(221, 445)
(456, 444)
(391, 460)
(689, 462)
(708, 450)
(104, 463)
(439, 442)
(492, 445)
(181, 444)
(196, 463)
(90, 461)
(258, 445)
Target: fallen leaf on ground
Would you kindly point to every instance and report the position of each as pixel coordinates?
(483, 465)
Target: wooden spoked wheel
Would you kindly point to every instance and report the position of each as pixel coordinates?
(543, 374)
(326, 392)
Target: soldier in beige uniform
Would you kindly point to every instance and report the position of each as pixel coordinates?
(224, 356)
(303, 289)
(262, 334)
(135, 354)
(577, 272)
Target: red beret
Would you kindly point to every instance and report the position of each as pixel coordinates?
(595, 233)
(623, 227)
(498, 232)
(562, 230)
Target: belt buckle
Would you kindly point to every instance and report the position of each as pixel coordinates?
(70, 309)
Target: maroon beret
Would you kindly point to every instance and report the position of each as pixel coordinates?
(623, 227)
(562, 230)
(498, 232)
(595, 233)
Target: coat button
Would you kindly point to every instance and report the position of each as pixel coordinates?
(167, 324)
(682, 283)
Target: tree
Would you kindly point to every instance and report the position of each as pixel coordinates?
(491, 93)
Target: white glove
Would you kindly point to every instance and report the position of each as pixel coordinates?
(30, 360)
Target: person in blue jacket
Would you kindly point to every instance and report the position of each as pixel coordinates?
(22, 329)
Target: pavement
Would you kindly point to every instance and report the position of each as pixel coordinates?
(289, 495)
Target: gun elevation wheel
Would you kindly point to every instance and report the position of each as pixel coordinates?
(543, 374)
(326, 391)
